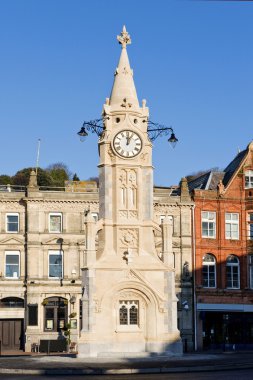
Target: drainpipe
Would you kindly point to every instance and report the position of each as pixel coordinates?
(194, 279)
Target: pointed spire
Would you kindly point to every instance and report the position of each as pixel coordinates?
(123, 92)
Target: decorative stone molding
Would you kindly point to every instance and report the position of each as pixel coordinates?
(56, 205)
(129, 237)
(111, 154)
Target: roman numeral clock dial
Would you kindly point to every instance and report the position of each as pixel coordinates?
(127, 144)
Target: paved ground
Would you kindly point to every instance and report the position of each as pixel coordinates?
(38, 364)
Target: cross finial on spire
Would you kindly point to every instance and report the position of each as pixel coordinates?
(124, 38)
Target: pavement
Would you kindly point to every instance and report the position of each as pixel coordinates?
(69, 364)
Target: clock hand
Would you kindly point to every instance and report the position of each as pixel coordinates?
(129, 138)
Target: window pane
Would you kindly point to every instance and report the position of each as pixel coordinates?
(12, 259)
(12, 266)
(228, 217)
(123, 315)
(55, 223)
(12, 223)
(235, 217)
(133, 315)
(204, 215)
(55, 265)
(32, 315)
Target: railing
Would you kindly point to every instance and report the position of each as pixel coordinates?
(12, 188)
(67, 189)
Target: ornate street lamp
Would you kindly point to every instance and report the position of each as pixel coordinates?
(154, 130)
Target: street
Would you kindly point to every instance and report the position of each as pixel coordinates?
(244, 374)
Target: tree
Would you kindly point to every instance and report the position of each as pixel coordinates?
(5, 179)
(75, 177)
(59, 173)
(21, 178)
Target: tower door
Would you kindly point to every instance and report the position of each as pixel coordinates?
(11, 332)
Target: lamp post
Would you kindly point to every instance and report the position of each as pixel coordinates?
(154, 130)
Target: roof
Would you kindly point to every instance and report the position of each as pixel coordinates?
(206, 181)
(233, 166)
(210, 179)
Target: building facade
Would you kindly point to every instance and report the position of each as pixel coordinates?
(223, 259)
(109, 267)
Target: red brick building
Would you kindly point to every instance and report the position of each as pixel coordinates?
(223, 221)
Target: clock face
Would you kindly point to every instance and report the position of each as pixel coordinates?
(127, 144)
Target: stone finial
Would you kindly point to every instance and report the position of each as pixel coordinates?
(221, 188)
(185, 195)
(33, 179)
(124, 38)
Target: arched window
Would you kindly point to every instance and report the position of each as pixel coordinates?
(56, 313)
(209, 271)
(233, 272)
(12, 302)
(129, 313)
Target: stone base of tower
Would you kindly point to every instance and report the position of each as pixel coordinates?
(129, 349)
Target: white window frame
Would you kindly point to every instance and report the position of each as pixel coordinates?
(250, 225)
(6, 222)
(12, 253)
(51, 253)
(250, 271)
(209, 264)
(230, 222)
(249, 182)
(51, 214)
(231, 266)
(209, 218)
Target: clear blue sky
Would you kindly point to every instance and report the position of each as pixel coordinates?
(192, 61)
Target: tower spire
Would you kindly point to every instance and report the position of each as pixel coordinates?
(123, 93)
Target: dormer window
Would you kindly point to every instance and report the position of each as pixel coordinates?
(249, 179)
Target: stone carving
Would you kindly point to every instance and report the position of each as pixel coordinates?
(128, 295)
(132, 177)
(123, 214)
(221, 188)
(133, 214)
(111, 154)
(11, 206)
(129, 237)
(144, 156)
(124, 38)
(97, 306)
(123, 177)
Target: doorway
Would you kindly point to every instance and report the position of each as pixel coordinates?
(11, 334)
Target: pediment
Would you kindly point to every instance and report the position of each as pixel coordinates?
(11, 241)
(55, 241)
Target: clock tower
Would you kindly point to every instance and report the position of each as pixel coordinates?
(129, 303)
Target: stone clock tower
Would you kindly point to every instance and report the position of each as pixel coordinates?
(129, 303)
